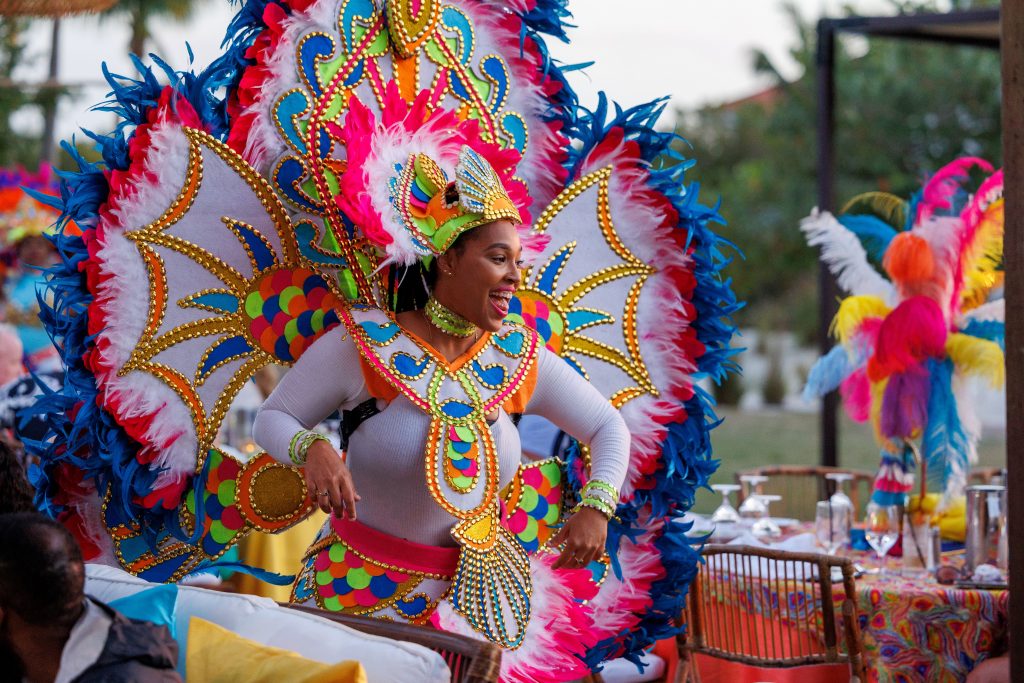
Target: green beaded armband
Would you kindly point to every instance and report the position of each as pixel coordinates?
(598, 488)
(300, 445)
(595, 504)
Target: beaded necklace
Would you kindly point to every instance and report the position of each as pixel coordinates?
(447, 320)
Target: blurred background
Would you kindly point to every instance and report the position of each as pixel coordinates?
(738, 76)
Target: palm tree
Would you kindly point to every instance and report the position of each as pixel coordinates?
(140, 12)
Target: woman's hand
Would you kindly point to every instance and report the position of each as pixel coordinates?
(326, 473)
(584, 535)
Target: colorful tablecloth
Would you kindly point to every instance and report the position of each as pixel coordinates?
(919, 630)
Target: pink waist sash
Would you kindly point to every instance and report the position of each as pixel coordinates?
(393, 550)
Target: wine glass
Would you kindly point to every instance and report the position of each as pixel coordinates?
(725, 513)
(882, 529)
(839, 497)
(752, 506)
(831, 525)
(766, 526)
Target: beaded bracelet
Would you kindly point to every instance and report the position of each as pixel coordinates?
(604, 491)
(595, 504)
(300, 444)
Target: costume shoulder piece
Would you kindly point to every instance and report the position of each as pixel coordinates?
(237, 210)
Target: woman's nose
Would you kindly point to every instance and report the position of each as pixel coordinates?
(515, 274)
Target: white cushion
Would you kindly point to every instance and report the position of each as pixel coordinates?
(263, 620)
(624, 671)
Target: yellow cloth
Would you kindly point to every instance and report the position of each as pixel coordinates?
(281, 553)
(216, 655)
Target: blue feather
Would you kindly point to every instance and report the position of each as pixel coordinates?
(828, 373)
(946, 445)
(874, 233)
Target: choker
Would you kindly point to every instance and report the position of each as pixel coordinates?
(447, 320)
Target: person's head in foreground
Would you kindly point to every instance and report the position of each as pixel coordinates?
(50, 631)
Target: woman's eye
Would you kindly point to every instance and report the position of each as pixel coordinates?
(498, 259)
(520, 264)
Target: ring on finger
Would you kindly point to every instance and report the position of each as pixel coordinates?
(321, 493)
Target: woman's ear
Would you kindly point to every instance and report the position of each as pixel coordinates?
(446, 263)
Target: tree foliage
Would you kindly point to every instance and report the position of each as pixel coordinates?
(15, 148)
(141, 12)
(903, 109)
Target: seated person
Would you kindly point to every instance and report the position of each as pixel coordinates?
(50, 632)
(15, 491)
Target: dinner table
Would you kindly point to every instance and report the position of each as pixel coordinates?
(913, 627)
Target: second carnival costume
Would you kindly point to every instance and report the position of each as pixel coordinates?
(244, 215)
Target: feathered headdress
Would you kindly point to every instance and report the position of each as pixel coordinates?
(907, 340)
(416, 181)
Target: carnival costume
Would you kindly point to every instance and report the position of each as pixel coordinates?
(909, 342)
(24, 215)
(223, 234)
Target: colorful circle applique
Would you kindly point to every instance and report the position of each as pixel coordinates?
(535, 310)
(287, 310)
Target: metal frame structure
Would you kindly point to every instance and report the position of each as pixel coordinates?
(1001, 29)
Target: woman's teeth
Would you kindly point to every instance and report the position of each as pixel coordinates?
(501, 301)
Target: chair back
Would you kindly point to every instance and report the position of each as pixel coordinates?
(801, 487)
(772, 608)
(470, 660)
(984, 475)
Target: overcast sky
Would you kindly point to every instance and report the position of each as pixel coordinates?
(697, 51)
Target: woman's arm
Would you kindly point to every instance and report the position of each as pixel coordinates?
(327, 376)
(576, 407)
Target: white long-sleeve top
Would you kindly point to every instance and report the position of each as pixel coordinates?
(385, 453)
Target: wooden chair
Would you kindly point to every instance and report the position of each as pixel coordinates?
(771, 608)
(470, 660)
(984, 475)
(801, 487)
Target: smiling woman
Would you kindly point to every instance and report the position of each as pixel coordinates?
(437, 384)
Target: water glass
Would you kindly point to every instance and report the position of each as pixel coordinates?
(839, 497)
(752, 506)
(882, 529)
(765, 526)
(725, 513)
(831, 525)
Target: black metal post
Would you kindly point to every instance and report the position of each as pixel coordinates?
(827, 290)
(51, 93)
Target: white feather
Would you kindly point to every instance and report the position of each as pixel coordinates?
(845, 256)
(993, 311)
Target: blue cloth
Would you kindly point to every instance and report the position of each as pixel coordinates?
(155, 605)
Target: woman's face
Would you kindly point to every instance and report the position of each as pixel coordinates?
(36, 251)
(479, 277)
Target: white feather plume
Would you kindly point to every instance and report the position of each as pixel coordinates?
(845, 256)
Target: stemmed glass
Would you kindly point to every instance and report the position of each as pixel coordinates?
(752, 506)
(831, 525)
(839, 497)
(766, 526)
(725, 513)
(882, 529)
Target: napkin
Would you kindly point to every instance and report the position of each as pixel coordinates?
(763, 567)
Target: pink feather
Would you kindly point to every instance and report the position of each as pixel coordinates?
(913, 331)
(856, 393)
(941, 187)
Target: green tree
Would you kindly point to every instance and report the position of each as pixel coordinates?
(15, 147)
(141, 12)
(904, 109)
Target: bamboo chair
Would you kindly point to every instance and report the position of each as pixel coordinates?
(984, 475)
(801, 487)
(722, 624)
(470, 660)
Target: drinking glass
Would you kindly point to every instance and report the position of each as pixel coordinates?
(882, 529)
(752, 506)
(839, 497)
(725, 513)
(765, 525)
(831, 525)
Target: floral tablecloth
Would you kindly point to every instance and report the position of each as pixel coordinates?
(914, 629)
(919, 630)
